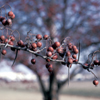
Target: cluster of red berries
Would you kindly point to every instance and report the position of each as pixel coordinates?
(49, 67)
(57, 49)
(92, 65)
(7, 21)
(9, 39)
(33, 45)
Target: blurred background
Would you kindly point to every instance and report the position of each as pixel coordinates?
(77, 19)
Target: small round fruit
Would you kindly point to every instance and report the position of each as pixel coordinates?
(4, 22)
(85, 65)
(50, 49)
(39, 44)
(68, 53)
(6, 40)
(20, 43)
(12, 17)
(48, 60)
(2, 37)
(45, 37)
(4, 52)
(47, 65)
(74, 47)
(70, 47)
(11, 43)
(49, 54)
(50, 69)
(38, 36)
(96, 62)
(2, 18)
(9, 21)
(70, 60)
(95, 82)
(76, 51)
(33, 61)
(34, 45)
(75, 60)
(57, 44)
(10, 13)
(60, 50)
(74, 56)
(12, 38)
(55, 56)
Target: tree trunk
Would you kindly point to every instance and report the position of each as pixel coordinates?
(52, 93)
(51, 96)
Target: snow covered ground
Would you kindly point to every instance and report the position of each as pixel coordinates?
(18, 73)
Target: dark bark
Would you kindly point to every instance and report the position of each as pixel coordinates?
(51, 95)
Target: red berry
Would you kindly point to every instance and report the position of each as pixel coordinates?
(96, 62)
(60, 50)
(45, 37)
(68, 53)
(33, 61)
(50, 69)
(39, 44)
(74, 56)
(20, 43)
(70, 47)
(2, 18)
(74, 47)
(75, 60)
(34, 45)
(10, 13)
(6, 40)
(4, 22)
(55, 56)
(48, 60)
(50, 49)
(13, 16)
(12, 38)
(38, 36)
(75, 51)
(4, 52)
(70, 60)
(49, 54)
(57, 44)
(11, 43)
(2, 37)
(85, 66)
(95, 82)
(47, 65)
(9, 21)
